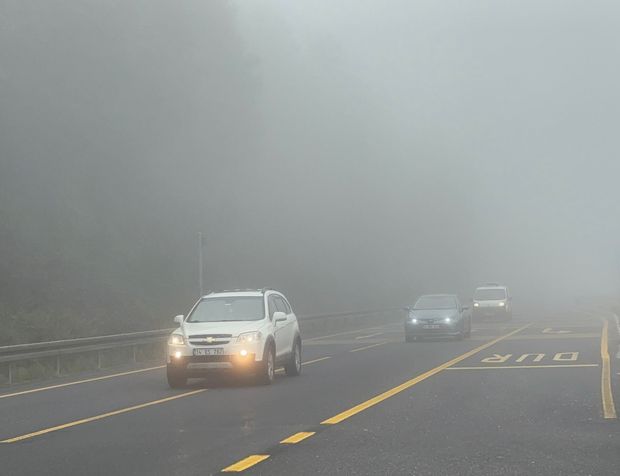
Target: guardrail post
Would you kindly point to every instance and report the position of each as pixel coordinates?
(133, 348)
(98, 359)
(10, 373)
(58, 365)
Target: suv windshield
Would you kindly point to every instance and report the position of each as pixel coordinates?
(490, 294)
(228, 309)
(435, 302)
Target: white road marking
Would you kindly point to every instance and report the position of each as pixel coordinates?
(352, 332)
(370, 335)
(502, 367)
(368, 346)
(550, 330)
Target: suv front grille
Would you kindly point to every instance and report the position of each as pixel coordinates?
(209, 339)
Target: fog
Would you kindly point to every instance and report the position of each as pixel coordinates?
(353, 154)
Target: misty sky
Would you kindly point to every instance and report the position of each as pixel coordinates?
(352, 153)
(507, 110)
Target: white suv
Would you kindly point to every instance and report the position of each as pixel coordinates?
(248, 331)
(492, 300)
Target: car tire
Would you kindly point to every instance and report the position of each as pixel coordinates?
(468, 331)
(293, 366)
(176, 377)
(267, 368)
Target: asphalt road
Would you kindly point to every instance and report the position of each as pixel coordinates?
(524, 397)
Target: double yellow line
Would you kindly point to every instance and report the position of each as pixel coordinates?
(253, 460)
(410, 383)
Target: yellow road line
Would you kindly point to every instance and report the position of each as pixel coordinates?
(523, 367)
(368, 347)
(370, 335)
(609, 410)
(410, 383)
(77, 382)
(245, 463)
(297, 437)
(100, 417)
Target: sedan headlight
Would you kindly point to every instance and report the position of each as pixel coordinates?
(502, 304)
(476, 304)
(176, 339)
(447, 320)
(414, 320)
(249, 337)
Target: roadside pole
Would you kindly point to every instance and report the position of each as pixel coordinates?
(200, 263)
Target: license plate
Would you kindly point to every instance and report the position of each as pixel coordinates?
(431, 326)
(216, 351)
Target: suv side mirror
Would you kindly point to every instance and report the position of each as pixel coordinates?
(179, 319)
(279, 316)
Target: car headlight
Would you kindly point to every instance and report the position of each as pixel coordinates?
(176, 339)
(414, 320)
(447, 320)
(502, 304)
(476, 304)
(249, 337)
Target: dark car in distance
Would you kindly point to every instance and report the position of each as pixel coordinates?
(437, 315)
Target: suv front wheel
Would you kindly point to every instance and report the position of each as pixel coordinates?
(266, 369)
(176, 377)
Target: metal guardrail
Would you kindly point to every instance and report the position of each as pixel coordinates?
(56, 349)
(52, 347)
(11, 355)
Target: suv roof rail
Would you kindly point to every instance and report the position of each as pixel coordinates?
(217, 291)
(239, 290)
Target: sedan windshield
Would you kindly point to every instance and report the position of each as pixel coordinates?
(228, 309)
(435, 302)
(490, 294)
